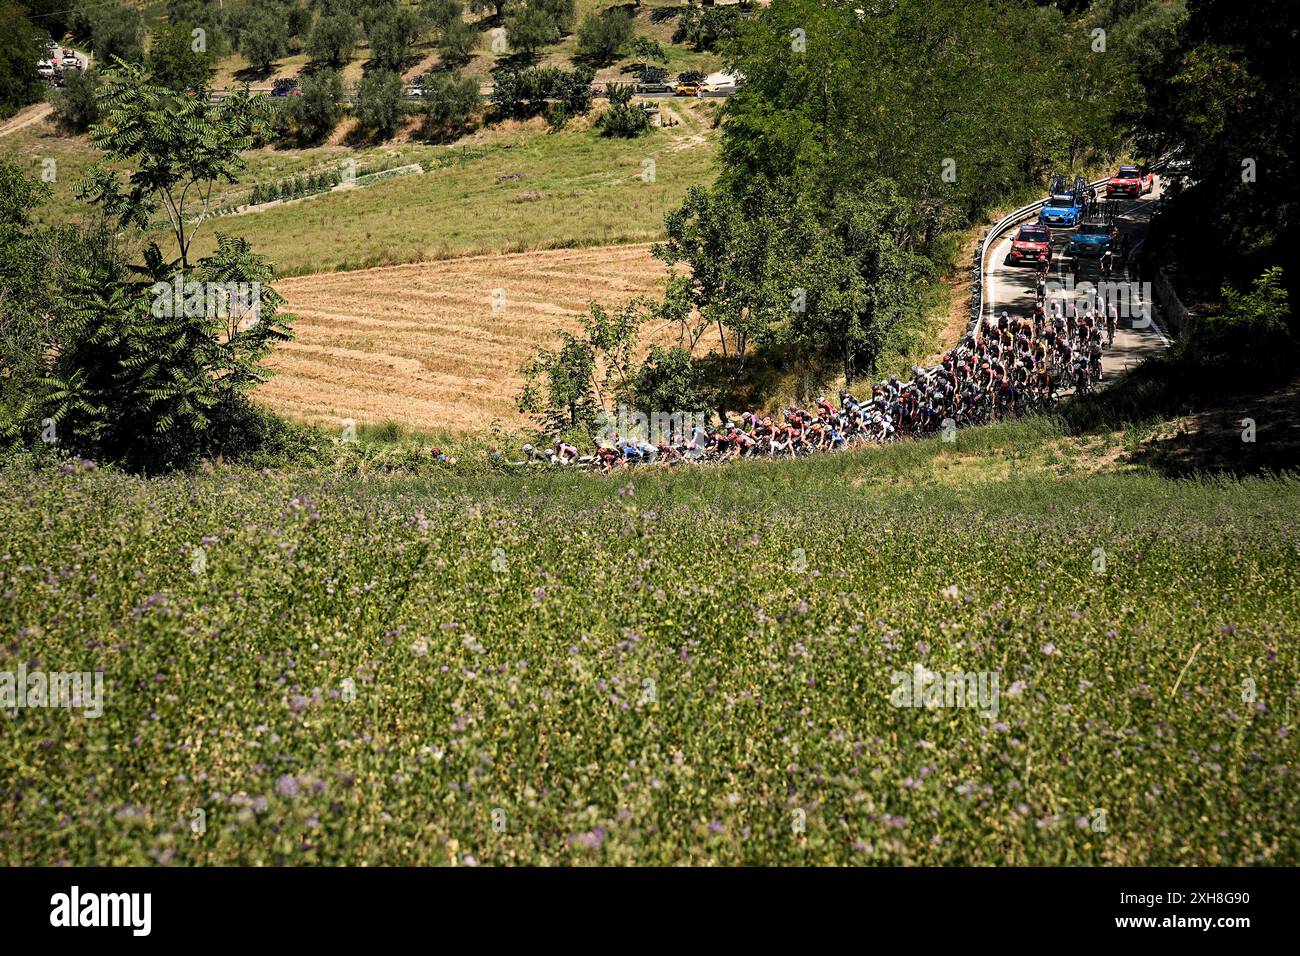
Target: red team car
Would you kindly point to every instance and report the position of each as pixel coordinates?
(1130, 181)
(1033, 243)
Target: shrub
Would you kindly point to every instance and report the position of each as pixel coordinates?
(332, 40)
(1256, 331)
(623, 118)
(315, 113)
(603, 36)
(449, 104)
(75, 104)
(379, 106)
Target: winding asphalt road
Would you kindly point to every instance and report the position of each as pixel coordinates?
(1011, 288)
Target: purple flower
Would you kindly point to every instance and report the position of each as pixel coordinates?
(287, 786)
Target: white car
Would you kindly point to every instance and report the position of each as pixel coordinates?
(70, 60)
(45, 68)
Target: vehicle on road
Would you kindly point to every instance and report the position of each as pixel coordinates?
(1131, 180)
(687, 89)
(1033, 243)
(1064, 205)
(70, 61)
(1092, 239)
(285, 87)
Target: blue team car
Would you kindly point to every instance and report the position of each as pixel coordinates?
(1091, 239)
(1064, 205)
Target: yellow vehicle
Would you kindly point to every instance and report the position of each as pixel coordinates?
(687, 89)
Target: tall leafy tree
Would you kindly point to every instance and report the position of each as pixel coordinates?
(21, 45)
(179, 59)
(332, 39)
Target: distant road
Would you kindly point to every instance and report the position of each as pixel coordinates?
(486, 93)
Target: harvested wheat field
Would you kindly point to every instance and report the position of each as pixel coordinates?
(423, 344)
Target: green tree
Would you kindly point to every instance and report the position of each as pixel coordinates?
(264, 39)
(379, 106)
(210, 16)
(392, 35)
(179, 59)
(332, 40)
(21, 45)
(315, 113)
(530, 28)
(1224, 94)
(558, 385)
(116, 32)
(602, 37)
(76, 104)
(497, 9)
(179, 148)
(442, 13)
(450, 102)
(563, 13)
(623, 117)
(457, 40)
(668, 381)
(150, 367)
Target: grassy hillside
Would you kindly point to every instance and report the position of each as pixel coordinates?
(694, 666)
(592, 192)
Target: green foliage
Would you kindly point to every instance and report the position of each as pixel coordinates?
(211, 16)
(494, 8)
(668, 381)
(76, 104)
(569, 387)
(21, 45)
(176, 143)
(602, 37)
(392, 35)
(647, 51)
(1224, 93)
(379, 103)
(457, 40)
(558, 386)
(145, 365)
(442, 13)
(449, 102)
(706, 28)
(529, 28)
(563, 13)
(179, 60)
(115, 30)
(332, 39)
(1256, 333)
(264, 39)
(524, 93)
(312, 116)
(623, 117)
(147, 378)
